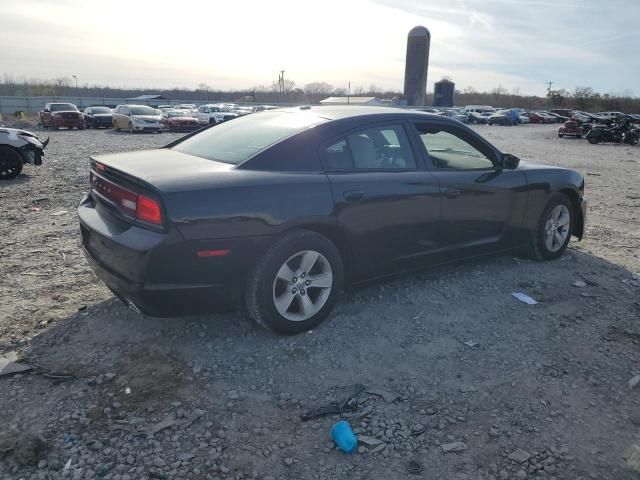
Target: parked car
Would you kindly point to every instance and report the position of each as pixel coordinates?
(164, 108)
(179, 121)
(570, 128)
(207, 114)
(190, 107)
(283, 208)
(96, 117)
(523, 117)
(56, 115)
(262, 108)
(456, 114)
(243, 110)
(477, 117)
(541, 117)
(18, 147)
(502, 117)
(137, 118)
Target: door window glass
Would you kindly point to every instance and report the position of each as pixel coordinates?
(450, 151)
(377, 148)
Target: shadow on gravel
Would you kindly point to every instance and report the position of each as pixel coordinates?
(19, 180)
(466, 361)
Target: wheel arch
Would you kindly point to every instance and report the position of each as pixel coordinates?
(338, 237)
(575, 201)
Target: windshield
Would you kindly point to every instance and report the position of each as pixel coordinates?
(100, 110)
(58, 107)
(237, 140)
(142, 111)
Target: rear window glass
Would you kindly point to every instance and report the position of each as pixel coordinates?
(237, 140)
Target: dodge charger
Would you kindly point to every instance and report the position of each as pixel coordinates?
(280, 210)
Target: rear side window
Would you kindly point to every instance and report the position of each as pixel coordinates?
(239, 139)
(377, 148)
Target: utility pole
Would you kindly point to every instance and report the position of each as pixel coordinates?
(282, 82)
(349, 93)
(549, 87)
(76, 79)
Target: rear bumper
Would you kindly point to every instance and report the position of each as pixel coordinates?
(161, 273)
(163, 300)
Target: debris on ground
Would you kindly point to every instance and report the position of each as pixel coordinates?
(343, 435)
(453, 447)
(471, 343)
(347, 405)
(634, 381)
(9, 364)
(25, 448)
(386, 395)
(414, 467)
(524, 298)
(579, 284)
(519, 456)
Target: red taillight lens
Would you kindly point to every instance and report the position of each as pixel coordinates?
(148, 210)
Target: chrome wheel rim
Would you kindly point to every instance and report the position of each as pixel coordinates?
(556, 229)
(302, 285)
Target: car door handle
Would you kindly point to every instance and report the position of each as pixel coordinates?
(353, 195)
(452, 193)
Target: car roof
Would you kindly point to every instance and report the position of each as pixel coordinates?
(331, 112)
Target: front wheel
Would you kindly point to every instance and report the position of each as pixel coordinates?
(10, 163)
(296, 284)
(593, 140)
(554, 228)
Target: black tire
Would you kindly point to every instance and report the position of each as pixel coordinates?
(10, 163)
(259, 294)
(538, 249)
(560, 135)
(593, 140)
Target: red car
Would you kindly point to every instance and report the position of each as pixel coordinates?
(540, 117)
(179, 121)
(570, 128)
(56, 115)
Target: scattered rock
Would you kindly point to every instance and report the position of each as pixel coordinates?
(453, 447)
(519, 456)
(634, 381)
(579, 284)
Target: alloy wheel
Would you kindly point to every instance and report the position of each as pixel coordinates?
(557, 228)
(302, 285)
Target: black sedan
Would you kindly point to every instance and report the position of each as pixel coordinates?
(96, 117)
(284, 208)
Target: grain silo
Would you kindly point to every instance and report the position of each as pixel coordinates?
(443, 93)
(417, 63)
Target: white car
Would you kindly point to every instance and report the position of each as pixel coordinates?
(207, 114)
(137, 118)
(524, 117)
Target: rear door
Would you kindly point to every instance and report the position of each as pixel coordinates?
(482, 204)
(384, 198)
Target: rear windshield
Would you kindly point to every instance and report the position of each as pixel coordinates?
(62, 107)
(237, 140)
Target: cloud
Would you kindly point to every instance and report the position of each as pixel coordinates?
(516, 43)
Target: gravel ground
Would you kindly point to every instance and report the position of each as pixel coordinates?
(456, 378)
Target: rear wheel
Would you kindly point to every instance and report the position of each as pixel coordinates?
(296, 283)
(554, 228)
(10, 163)
(593, 140)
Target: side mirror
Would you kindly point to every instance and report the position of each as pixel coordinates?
(46, 110)
(509, 162)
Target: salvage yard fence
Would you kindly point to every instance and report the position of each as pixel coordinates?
(10, 105)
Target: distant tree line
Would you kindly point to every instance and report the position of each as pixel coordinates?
(582, 98)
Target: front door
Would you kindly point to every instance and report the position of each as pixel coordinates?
(480, 200)
(385, 201)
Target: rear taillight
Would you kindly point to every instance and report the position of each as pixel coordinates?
(148, 210)
(131, 204)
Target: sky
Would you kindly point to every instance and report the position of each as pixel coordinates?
(237, 44)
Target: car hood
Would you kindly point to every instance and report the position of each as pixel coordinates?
(165, 169)
(155, 118)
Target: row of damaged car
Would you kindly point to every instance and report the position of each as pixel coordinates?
(142, 118)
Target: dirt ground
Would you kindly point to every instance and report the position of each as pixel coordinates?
(461, 381)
